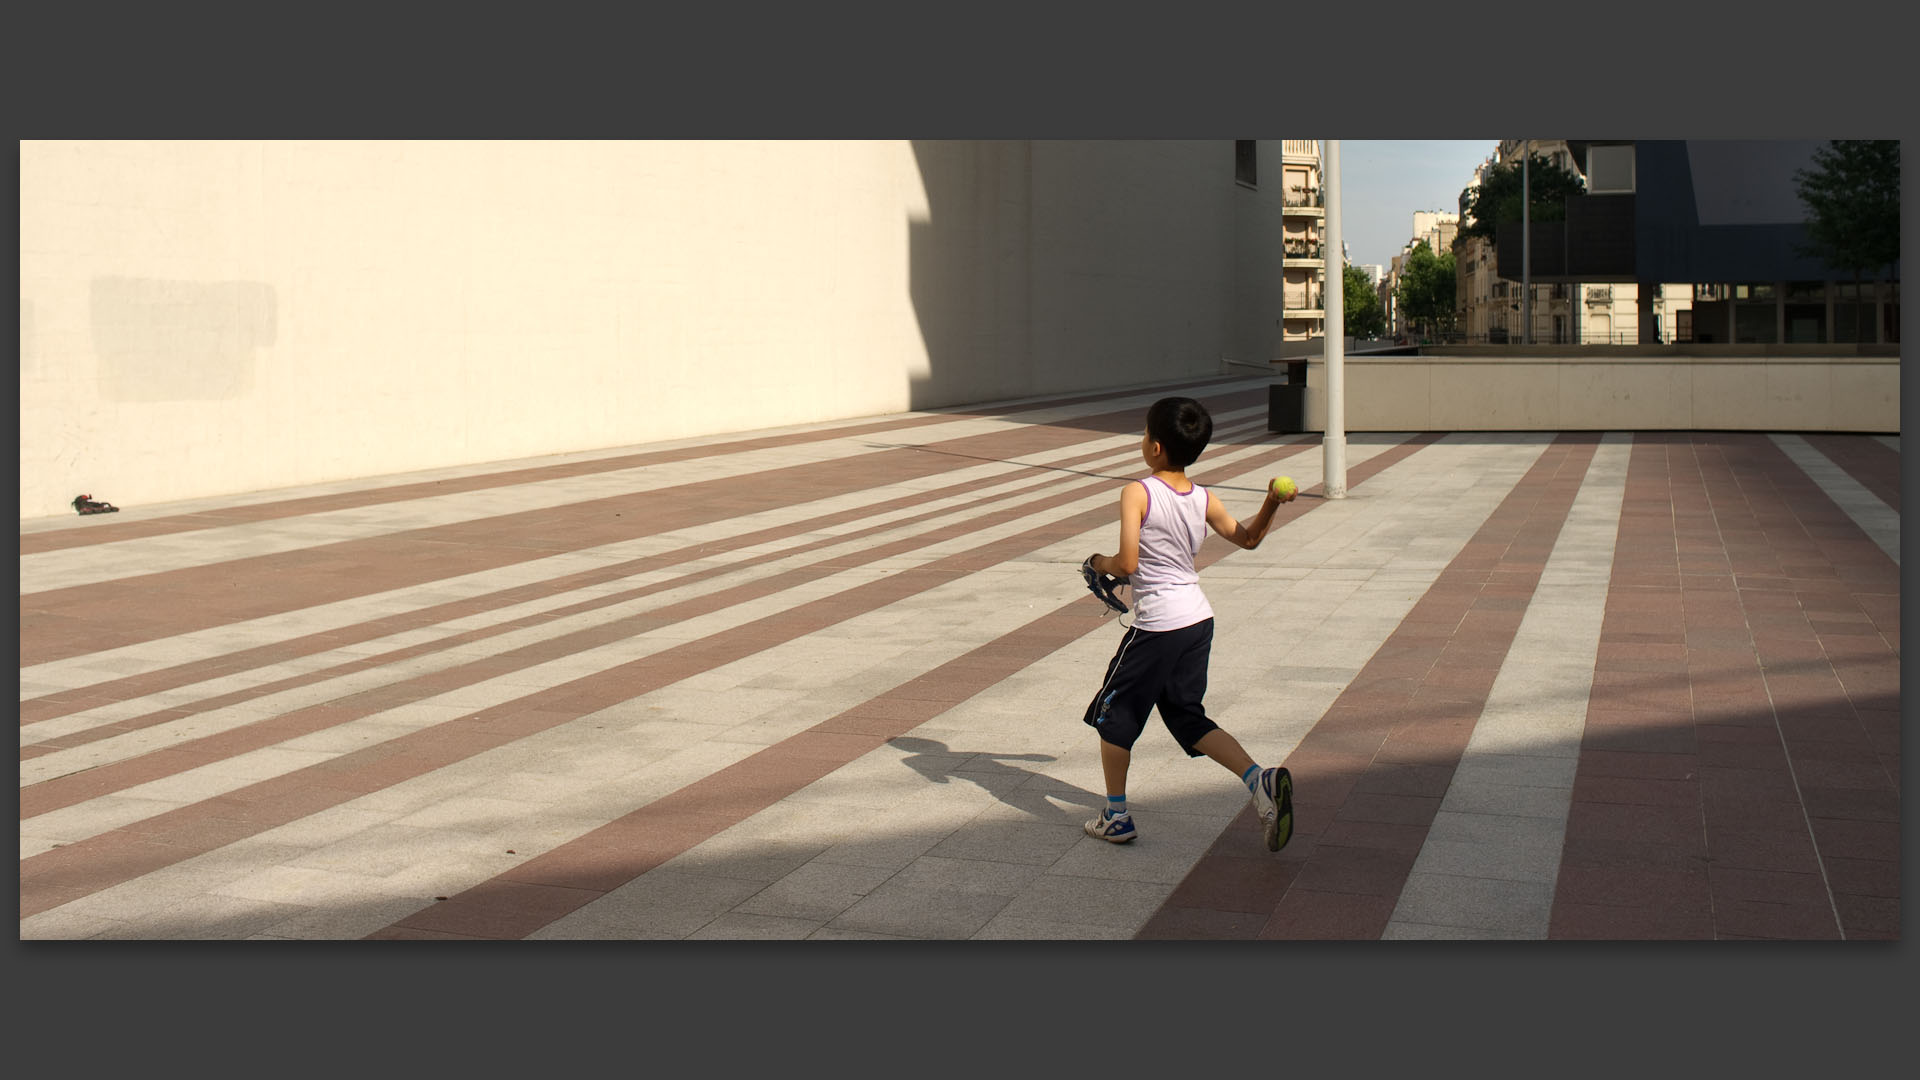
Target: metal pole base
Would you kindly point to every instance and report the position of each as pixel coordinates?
(1334, 450)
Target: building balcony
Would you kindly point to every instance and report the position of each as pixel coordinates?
(1300, 149)
(1304, 203)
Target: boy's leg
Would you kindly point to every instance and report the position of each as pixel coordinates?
(1272, 789)
(1113, 765)
(1114, 824)
(1226, 750)
(1186, 718)
(1118, 712)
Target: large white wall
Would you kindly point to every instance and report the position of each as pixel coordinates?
(210, 318)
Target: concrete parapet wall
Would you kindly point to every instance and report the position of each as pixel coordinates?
(1763, 388)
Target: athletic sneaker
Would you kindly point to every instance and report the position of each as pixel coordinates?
(1119, 829)
(1274, 802)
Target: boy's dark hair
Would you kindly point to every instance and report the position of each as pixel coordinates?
(1182, 427)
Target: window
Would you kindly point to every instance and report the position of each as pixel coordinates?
(1246, 162)
(1753, 324)
(1853, 321)
(1610, 169)
(1806, 323)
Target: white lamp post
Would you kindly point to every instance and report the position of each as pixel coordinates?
(1333, 443)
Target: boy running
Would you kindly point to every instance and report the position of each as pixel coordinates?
(1162, 660)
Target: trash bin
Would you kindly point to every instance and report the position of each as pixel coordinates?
(1287, 401)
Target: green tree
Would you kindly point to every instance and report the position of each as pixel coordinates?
(1497, 200)
(1852, 197)
(1427, 288)
(1364, 317)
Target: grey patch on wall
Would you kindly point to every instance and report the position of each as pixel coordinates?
(162, 340)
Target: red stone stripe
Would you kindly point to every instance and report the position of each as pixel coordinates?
(112, 531)
(58, 624)
(1872, 463)
(1738, 774)
(73, 788)
(55, 705)
(1369, 776)
(68, 790)
(48, 879)
(576, 873)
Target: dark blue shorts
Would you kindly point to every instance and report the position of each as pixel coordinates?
(1163, 669)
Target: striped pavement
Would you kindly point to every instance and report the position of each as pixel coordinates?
(825, 682)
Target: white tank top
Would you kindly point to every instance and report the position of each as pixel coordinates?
(1166, 587)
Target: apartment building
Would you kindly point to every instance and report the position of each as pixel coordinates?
(1437, 228)
(1492, 307)
(1303, 206)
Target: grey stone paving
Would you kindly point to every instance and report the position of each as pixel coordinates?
(967, 828)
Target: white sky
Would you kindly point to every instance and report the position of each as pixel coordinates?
(1383, 183)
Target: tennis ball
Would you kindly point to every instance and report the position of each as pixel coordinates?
(1283, 487)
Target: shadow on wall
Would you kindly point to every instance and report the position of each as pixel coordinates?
(161, 340)
(968, 272)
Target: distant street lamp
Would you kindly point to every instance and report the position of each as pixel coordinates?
(1526, 239)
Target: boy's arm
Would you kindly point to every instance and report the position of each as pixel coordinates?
(1249, 534)
(1133, 510)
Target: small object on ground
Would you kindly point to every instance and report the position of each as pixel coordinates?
(87, 504)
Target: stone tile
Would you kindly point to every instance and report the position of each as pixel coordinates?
(1033, 843)
(818, 891)
(750, 858)
(1513, 769)
(468, 813)
(1476, 903)
(1095, 902)
(828, 933)
(920, 913)
(1508, 799)
(1495, 861)
(1504, 831)
(346, 922)
(61, 924)
(1412, 931)
(738, 926)
(71, 824)
(447, 874)
(385, 849)
(205, 918)
(1004, 928)
(301, 886)
(662, 903)
(932, 872)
